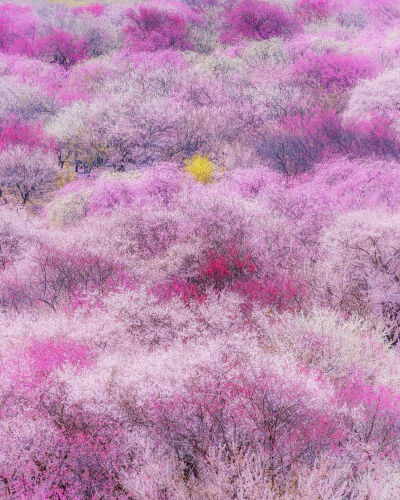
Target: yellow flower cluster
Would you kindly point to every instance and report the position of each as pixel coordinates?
(201, 167)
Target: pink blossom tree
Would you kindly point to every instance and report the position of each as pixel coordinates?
(61, 47)
(333, 71)
(19, 29)
(257, 20)
(27, 173)
(150, 29)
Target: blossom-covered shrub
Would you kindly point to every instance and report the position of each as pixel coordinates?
(376, 425)
(310, 10)
(365, 279)
(18, 133)
(150, 29)
(68, 209)
(68, 276)
(27, 173)
(61, 47)
(45, 356)
(302, 141)
(18, 29)
(201, 168)
(257, 20)
(248, 413)
(332, 71)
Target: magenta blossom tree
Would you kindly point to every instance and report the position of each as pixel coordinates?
(257, 20)
(61, 47)
(150, 29)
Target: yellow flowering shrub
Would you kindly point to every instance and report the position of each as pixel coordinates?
(201, 168)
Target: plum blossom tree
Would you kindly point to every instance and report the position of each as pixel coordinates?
(379, 96)
(247, 411)
(30, 134)
(61, 47)
(332, 71)
(257, 20)
(313, 9)
(22, 100)
(15, 238)
(19, 29)
(150, 29)
(366, 280)
(27, 173)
